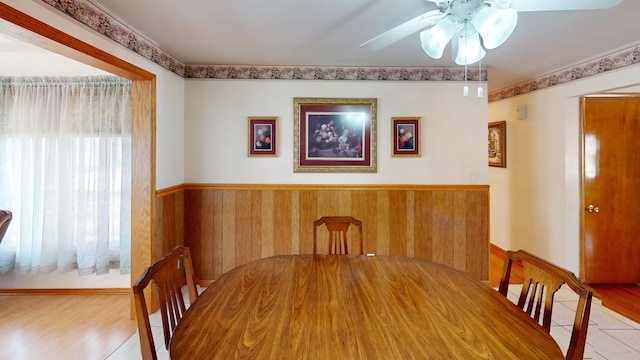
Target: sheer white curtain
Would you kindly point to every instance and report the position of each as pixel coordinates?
(65, 173)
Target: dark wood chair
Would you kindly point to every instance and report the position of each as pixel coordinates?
(169, 274)
(338, 226)
(5, 220)
(542, 280)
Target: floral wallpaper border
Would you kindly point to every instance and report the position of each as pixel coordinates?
(330, 73)
(104, 23)
(619, 59)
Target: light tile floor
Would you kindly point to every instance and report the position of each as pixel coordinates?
(611, 336)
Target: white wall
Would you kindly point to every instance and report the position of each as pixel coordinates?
(453, 130)
(170, 137)
(169, 128)
(535, 201)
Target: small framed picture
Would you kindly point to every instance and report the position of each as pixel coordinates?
(405, 133)
(262, 135)
(498, 144)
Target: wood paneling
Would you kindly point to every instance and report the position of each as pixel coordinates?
(229, 225)
(170, 218)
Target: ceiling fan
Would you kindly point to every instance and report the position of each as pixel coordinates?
(473, 25)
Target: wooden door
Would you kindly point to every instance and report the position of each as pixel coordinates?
(610, 244)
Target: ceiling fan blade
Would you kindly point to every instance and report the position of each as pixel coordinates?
(403, 30)
(551, 5)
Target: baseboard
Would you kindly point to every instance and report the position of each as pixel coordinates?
(498, 251)
(82, 291)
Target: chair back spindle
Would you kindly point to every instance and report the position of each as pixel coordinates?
(338, 227)
(542, 280)
(168, 274)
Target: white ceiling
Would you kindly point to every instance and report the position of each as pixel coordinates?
(329, 33)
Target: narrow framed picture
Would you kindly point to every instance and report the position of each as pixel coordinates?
(498, 144)
(263, 136)
(405, 133)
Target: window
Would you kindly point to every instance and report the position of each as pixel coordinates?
(65, 173)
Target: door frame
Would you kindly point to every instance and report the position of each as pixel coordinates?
(143, 121)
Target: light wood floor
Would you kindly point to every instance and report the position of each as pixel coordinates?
(93, 326)
(63, 326)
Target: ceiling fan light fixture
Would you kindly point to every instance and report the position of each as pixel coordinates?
(435, 39)
(495, 25)
(469, 48)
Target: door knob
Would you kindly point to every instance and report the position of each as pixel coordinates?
(593, 209)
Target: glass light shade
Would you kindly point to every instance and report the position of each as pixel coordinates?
(495, 25)
(436, 38)
(469, 49)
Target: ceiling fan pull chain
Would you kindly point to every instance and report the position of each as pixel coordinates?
(465, 91)
(480, 89)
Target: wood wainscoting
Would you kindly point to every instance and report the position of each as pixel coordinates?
(227, 225)
(169, 220)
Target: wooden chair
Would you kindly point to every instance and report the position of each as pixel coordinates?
(5, 220)
(542, 280)
(338, 227)
(169, 274)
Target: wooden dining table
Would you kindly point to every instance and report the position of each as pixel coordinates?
(339, 307)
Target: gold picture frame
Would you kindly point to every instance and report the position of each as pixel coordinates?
(335, 135)
(497, 144)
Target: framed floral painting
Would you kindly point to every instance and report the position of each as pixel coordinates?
(262, 136)
(405, 133)
(335, 135)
